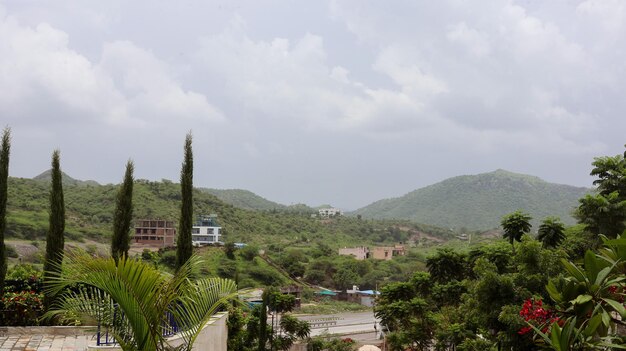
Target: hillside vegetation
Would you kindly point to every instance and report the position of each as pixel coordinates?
(89, 212)
(478, 202)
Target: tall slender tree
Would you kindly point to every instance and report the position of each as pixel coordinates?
(4, 179)
(123, 215)
(55, 238)
(184, 248)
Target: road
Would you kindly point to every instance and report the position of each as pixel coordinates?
(341, 323)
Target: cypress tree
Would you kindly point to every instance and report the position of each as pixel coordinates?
(120, 242)
(55, 239)
(4, 179)
(184, 248)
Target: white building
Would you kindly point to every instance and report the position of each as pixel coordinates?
(206, 231)
(329, 212)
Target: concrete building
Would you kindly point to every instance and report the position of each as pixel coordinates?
(360, 253)
(387, 252)
(363, 297)
(206, 231)
(329, 212)
(155, 232)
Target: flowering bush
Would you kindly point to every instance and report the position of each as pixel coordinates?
(535, 314)
(21, 308)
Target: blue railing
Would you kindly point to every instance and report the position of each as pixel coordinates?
(105, 336)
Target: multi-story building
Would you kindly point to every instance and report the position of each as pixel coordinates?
(206, 231)
(156, 232)
(329, 212)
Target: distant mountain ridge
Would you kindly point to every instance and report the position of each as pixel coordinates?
(478, 202)
(66, 179)
(244, 199)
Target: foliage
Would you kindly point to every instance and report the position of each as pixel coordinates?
(515, 225)
(142, 294)
(446, 265)
(404, 309)
(229, 250)
(4, 176)
(55, 239)
(21, 308)
(184, 247)
(122, 219)
(551, 232)
(321, 343)
(248, 252)
(605, 212)
(328, 306)
(23, 277)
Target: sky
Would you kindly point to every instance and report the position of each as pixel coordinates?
(316, 102)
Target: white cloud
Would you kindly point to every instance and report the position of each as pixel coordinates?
(128, 86)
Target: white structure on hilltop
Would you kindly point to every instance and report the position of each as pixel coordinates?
(206, 231)
(330, 212)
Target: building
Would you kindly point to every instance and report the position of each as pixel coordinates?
(329, 212)
(360, 253)
(387, 252)
(156, 232)
(206, 231)
(363, 297)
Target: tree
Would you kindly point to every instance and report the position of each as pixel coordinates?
(4, 179)
(515, 225)
(605, 212)
(446, 265)
(184, 247)
(123, 215)
(551, 232)
(55, 240)
(404, 308)
(144, 296)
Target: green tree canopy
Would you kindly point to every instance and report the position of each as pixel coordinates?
(515, 225)
(551, 232)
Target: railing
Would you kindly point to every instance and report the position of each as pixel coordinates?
(105, 336)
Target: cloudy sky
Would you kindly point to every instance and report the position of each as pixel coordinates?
(340, 102)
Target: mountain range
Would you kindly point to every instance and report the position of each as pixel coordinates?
(473, 202)
(478, 202)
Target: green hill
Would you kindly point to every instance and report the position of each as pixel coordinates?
(46, 176)
(478, 202)
(250, 201)
(244, 199)
(89, 214)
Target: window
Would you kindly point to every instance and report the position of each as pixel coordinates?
(195, 230)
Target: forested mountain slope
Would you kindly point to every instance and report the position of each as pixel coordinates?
(478, 202)
(89, 213)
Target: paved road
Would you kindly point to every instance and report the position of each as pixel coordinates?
(342, 323)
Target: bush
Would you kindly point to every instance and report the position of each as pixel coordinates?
(227, 269)
(168, 258)
(11, 252)
(21, 308)
(249, 252)
(266, 276)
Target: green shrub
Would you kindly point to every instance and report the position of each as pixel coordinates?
(21, 308)
(11, 252)
(168, 258)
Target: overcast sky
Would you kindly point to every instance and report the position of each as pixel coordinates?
(316, 102)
